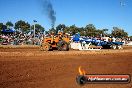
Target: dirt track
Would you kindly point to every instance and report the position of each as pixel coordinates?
(31, 68)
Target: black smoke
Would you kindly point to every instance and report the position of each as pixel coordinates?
(49, 11)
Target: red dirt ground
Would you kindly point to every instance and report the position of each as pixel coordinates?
(31, 68)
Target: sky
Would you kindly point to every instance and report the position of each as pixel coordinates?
(101, 13)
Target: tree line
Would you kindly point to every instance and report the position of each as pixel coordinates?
(88, 30)
(22, 25)
(91, 30)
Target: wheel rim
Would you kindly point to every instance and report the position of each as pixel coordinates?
(64, 46)
(46, 47)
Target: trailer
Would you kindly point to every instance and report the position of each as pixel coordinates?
(87, 43)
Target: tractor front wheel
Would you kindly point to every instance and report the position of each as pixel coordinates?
(45, 47)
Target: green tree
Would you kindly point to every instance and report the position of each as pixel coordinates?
(74, 29)
(24, 26)
(90, 30)
(60, 27)
(38, 28)
(67, 29)
(46, 32)
(105, 32)
(9, 24)
(82, 31)
(1, 25)
(99, 32)
(52, 30)
(118, 32)
(63, 27)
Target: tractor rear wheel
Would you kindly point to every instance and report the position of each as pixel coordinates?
(63, 46)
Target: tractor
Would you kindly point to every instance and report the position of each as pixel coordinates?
(60, 41)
